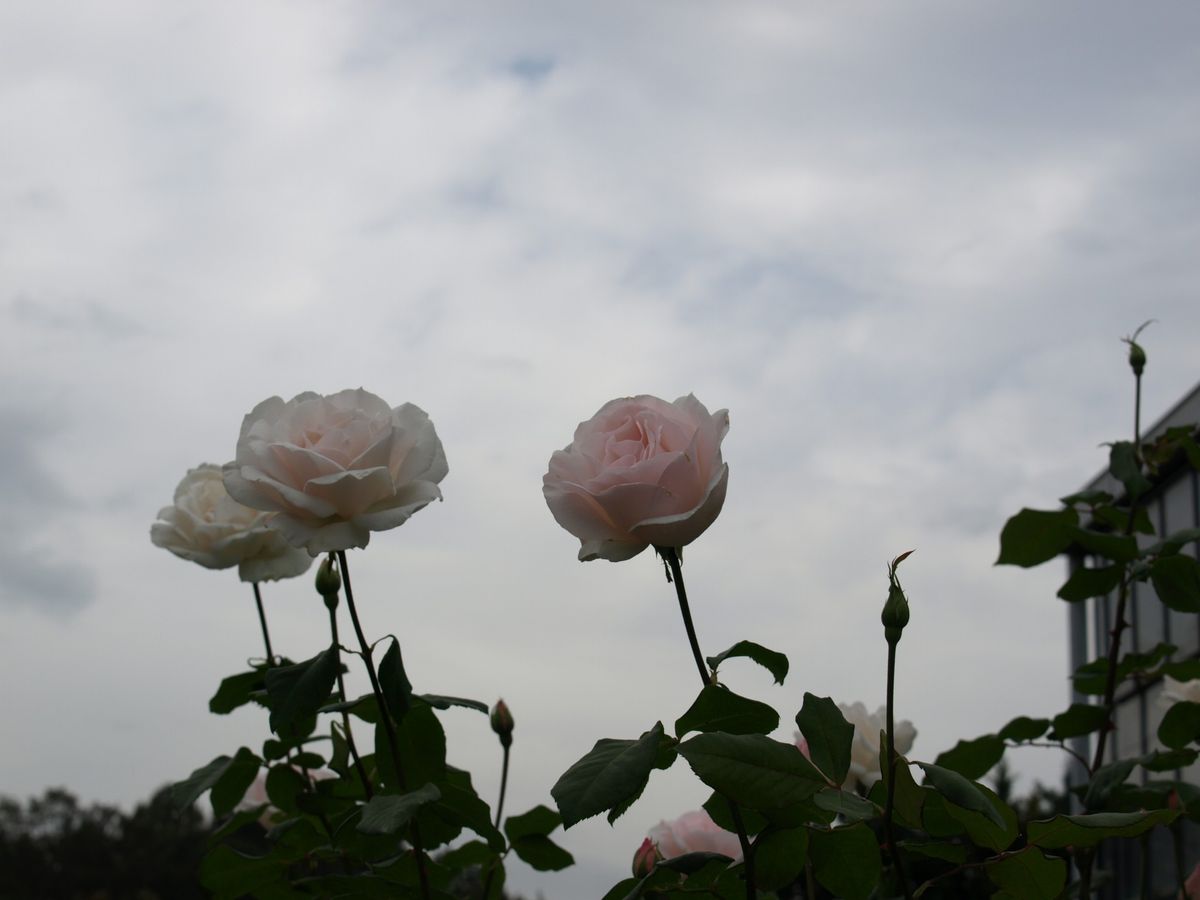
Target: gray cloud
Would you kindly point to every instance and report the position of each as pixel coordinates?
(37, 575)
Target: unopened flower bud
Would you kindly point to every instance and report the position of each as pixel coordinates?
(502, 723)
(329, 582)
(645, 859)
(1137, 358)
(895, 610)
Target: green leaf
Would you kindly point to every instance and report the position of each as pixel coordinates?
(1087, 498)
(1085, 583)
(1176, 580)
(1092, 678)
(388, 813)
(1116, 547)
(439, 701)
(828, 734)
(1023, 728)
(973, 759)
(1181, 725)
(229, 874)
(1089, 830)
(1117, 519)
(295, 693)
(460, 805)
(284, 785)
(961, 792)
(773, 662)
(607, 776)
(1186, 670)
(846, 861)
(541, 820)
(943, 850)
(779, 856)
(719, 709)
(363, 707)
(1106, 780)
(235, 691)
(1169, 760)
(422, 744)
(717, 807)
(752, 770)
(980, 828)
(1124, 465)
(393, 682)
(1080, 718)
(1029, 874)
(228, 778)
(541, 853)
(909, 797)
(1033, 536)
(846, 804)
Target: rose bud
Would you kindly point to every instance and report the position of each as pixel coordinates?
(329, 582)
(645, 859)
(502, 723)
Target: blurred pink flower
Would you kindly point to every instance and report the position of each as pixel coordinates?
(1191, 887)
(694, 832)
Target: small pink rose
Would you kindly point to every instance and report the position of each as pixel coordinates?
(694, 832)
(336, 468)
(641, 471)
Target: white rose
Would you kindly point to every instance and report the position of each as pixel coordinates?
(336, 468)
(207, 526)
(1176, 691)
(865, 767)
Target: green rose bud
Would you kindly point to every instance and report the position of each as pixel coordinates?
(329, 582)
(502, 723)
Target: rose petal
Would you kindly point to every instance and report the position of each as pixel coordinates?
(354, 492)
(253, 488)
(613, 551)
(683, 528)
(579, 513)
(321, 537)
(288, 564)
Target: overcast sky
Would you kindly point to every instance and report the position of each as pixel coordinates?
(899, 242)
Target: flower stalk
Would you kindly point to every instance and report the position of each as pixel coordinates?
(671, 557)
(262, 621)
(895, 618)
(385, 715)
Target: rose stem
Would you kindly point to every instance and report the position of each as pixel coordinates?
(893, 850)
(262, 620)
(672, 559)
(358, 766)
(487, 885)
(385, 716)
(1087, 857)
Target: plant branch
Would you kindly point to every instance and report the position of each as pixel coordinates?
(262, 620)
(672, 560)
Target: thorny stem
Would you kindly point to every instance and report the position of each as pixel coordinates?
(676, 571)
(262, 620)
(1087, 857)
(341, 682)
(893, 851)
(385, 715)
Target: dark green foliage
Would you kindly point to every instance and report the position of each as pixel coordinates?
(828, 734)
(773, 662)
(612, 773)
(719, 709)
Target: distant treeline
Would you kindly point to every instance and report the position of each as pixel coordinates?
(55, 849)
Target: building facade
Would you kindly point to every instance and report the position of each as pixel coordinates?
(1173, 505)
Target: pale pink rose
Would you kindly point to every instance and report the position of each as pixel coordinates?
(641, 471)
(336, 468)
(207, 526)
(694, 832)
(1191, 887)
(865, 767)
